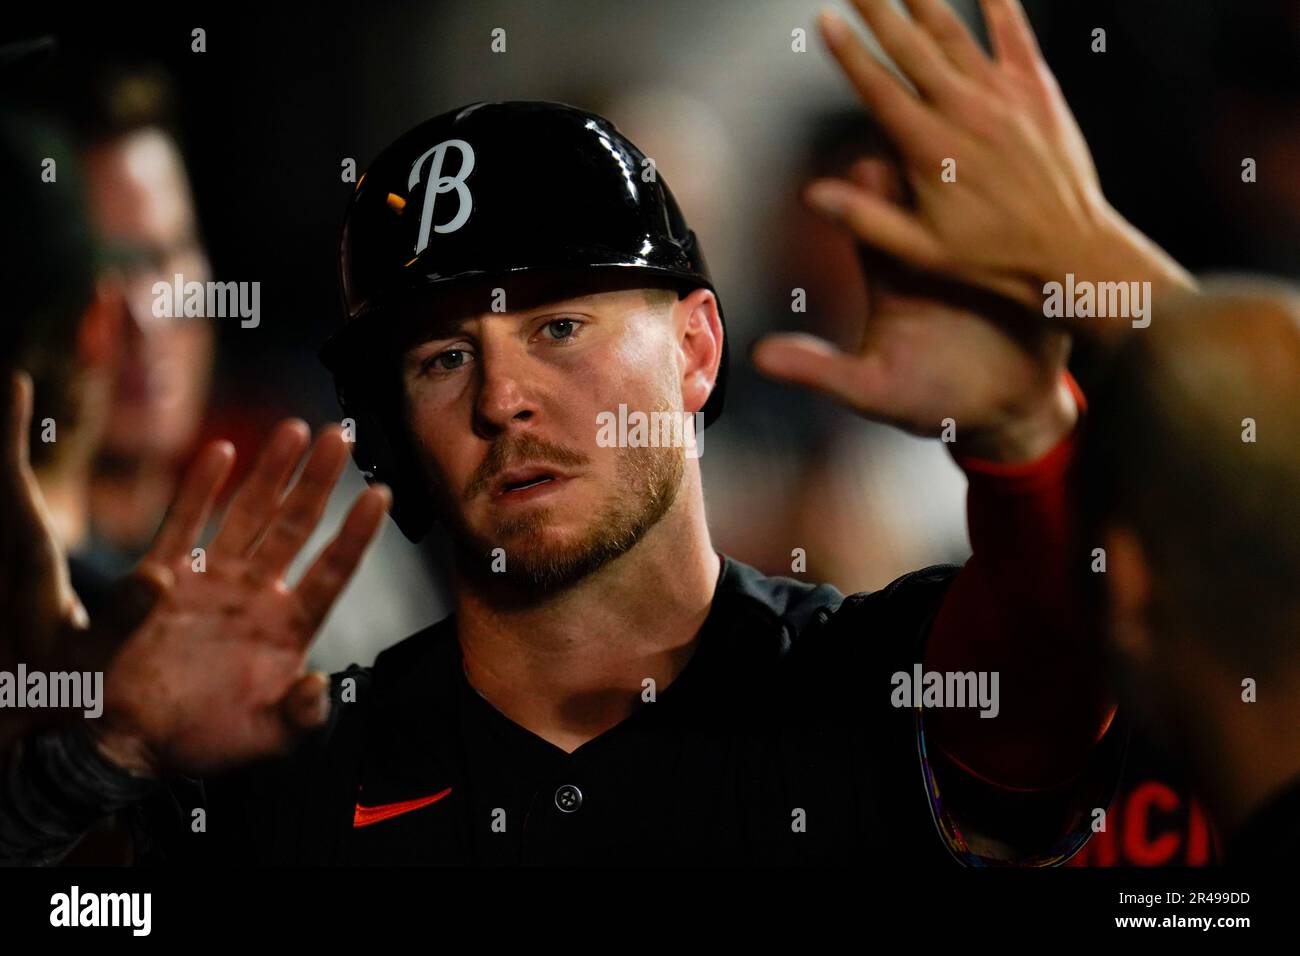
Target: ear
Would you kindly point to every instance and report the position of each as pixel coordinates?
(699, 334)
(1128, 588)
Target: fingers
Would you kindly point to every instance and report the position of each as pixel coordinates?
(914, 51)
(880, 178)
(951, 36)
(30, 550)
(877, 221)
(17, 422)
(258, 497)
(18, 478)
(814, 363)
(307, 703)
(330, 573)
(302, 508)
(907, 121)
(877, 176)
(1010, 33)
(193, 503)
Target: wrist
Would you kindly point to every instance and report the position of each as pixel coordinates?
(1113, 252)
(124, 751)
(1025, 436)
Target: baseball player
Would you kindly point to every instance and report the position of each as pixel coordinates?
(610, 688)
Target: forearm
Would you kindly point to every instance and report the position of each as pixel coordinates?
(54, 786)
(1017, 608)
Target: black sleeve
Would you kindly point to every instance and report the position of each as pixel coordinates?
(54, 787)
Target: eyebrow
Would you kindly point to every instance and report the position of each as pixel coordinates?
(426, 328)
(429, 328)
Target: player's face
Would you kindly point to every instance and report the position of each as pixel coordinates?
(504, 412)
(143, 214)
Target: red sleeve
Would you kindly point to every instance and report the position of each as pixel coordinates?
(1017, 608)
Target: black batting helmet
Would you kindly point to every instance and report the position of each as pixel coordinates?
(479, 193)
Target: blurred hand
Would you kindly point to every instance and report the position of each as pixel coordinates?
(42, 622)
(1025, 206)
(934, 349)
(216, 675)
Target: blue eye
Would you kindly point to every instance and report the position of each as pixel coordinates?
(568, 327)
(456, 356)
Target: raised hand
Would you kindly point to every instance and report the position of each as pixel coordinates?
(935, 351)
(216, 674)
(1025, 206)
(42, 622)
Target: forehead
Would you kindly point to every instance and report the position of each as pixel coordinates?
(442, 309)
(138, 187)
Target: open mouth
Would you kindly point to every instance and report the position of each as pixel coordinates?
(521, 482)
(532, 483)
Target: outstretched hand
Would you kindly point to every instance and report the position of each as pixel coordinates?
(43, 623)
(216, 675)
(937, 355)
(1006, 196)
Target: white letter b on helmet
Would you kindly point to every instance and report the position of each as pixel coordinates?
(437, 183)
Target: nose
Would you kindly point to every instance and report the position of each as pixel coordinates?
(113, 293)
(133, 299)
(506, 391)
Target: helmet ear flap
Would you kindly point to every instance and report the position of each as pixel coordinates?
(383, 456)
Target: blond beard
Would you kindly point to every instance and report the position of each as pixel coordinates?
(647, 483)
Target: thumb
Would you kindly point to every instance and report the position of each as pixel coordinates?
(814, 363)
(307, 702)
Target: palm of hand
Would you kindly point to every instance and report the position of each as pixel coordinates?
(206, 676)
(216, 674)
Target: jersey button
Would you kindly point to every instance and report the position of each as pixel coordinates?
(568, 798)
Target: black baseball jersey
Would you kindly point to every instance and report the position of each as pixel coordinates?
(777, 743)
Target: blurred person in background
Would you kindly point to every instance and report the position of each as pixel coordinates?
(143, 212)
(1190, 470)
(1209, 113)
(60, 337)
(59, 355)
(142, 203)
(61, 330)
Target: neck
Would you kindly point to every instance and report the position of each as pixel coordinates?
(572, 665)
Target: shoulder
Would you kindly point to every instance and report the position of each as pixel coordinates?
(398, 658)
(787, 601)
(795, 605)
(913, 597)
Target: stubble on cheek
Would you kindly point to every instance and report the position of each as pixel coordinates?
(639, 493)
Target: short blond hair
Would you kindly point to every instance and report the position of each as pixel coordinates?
(660, 298)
